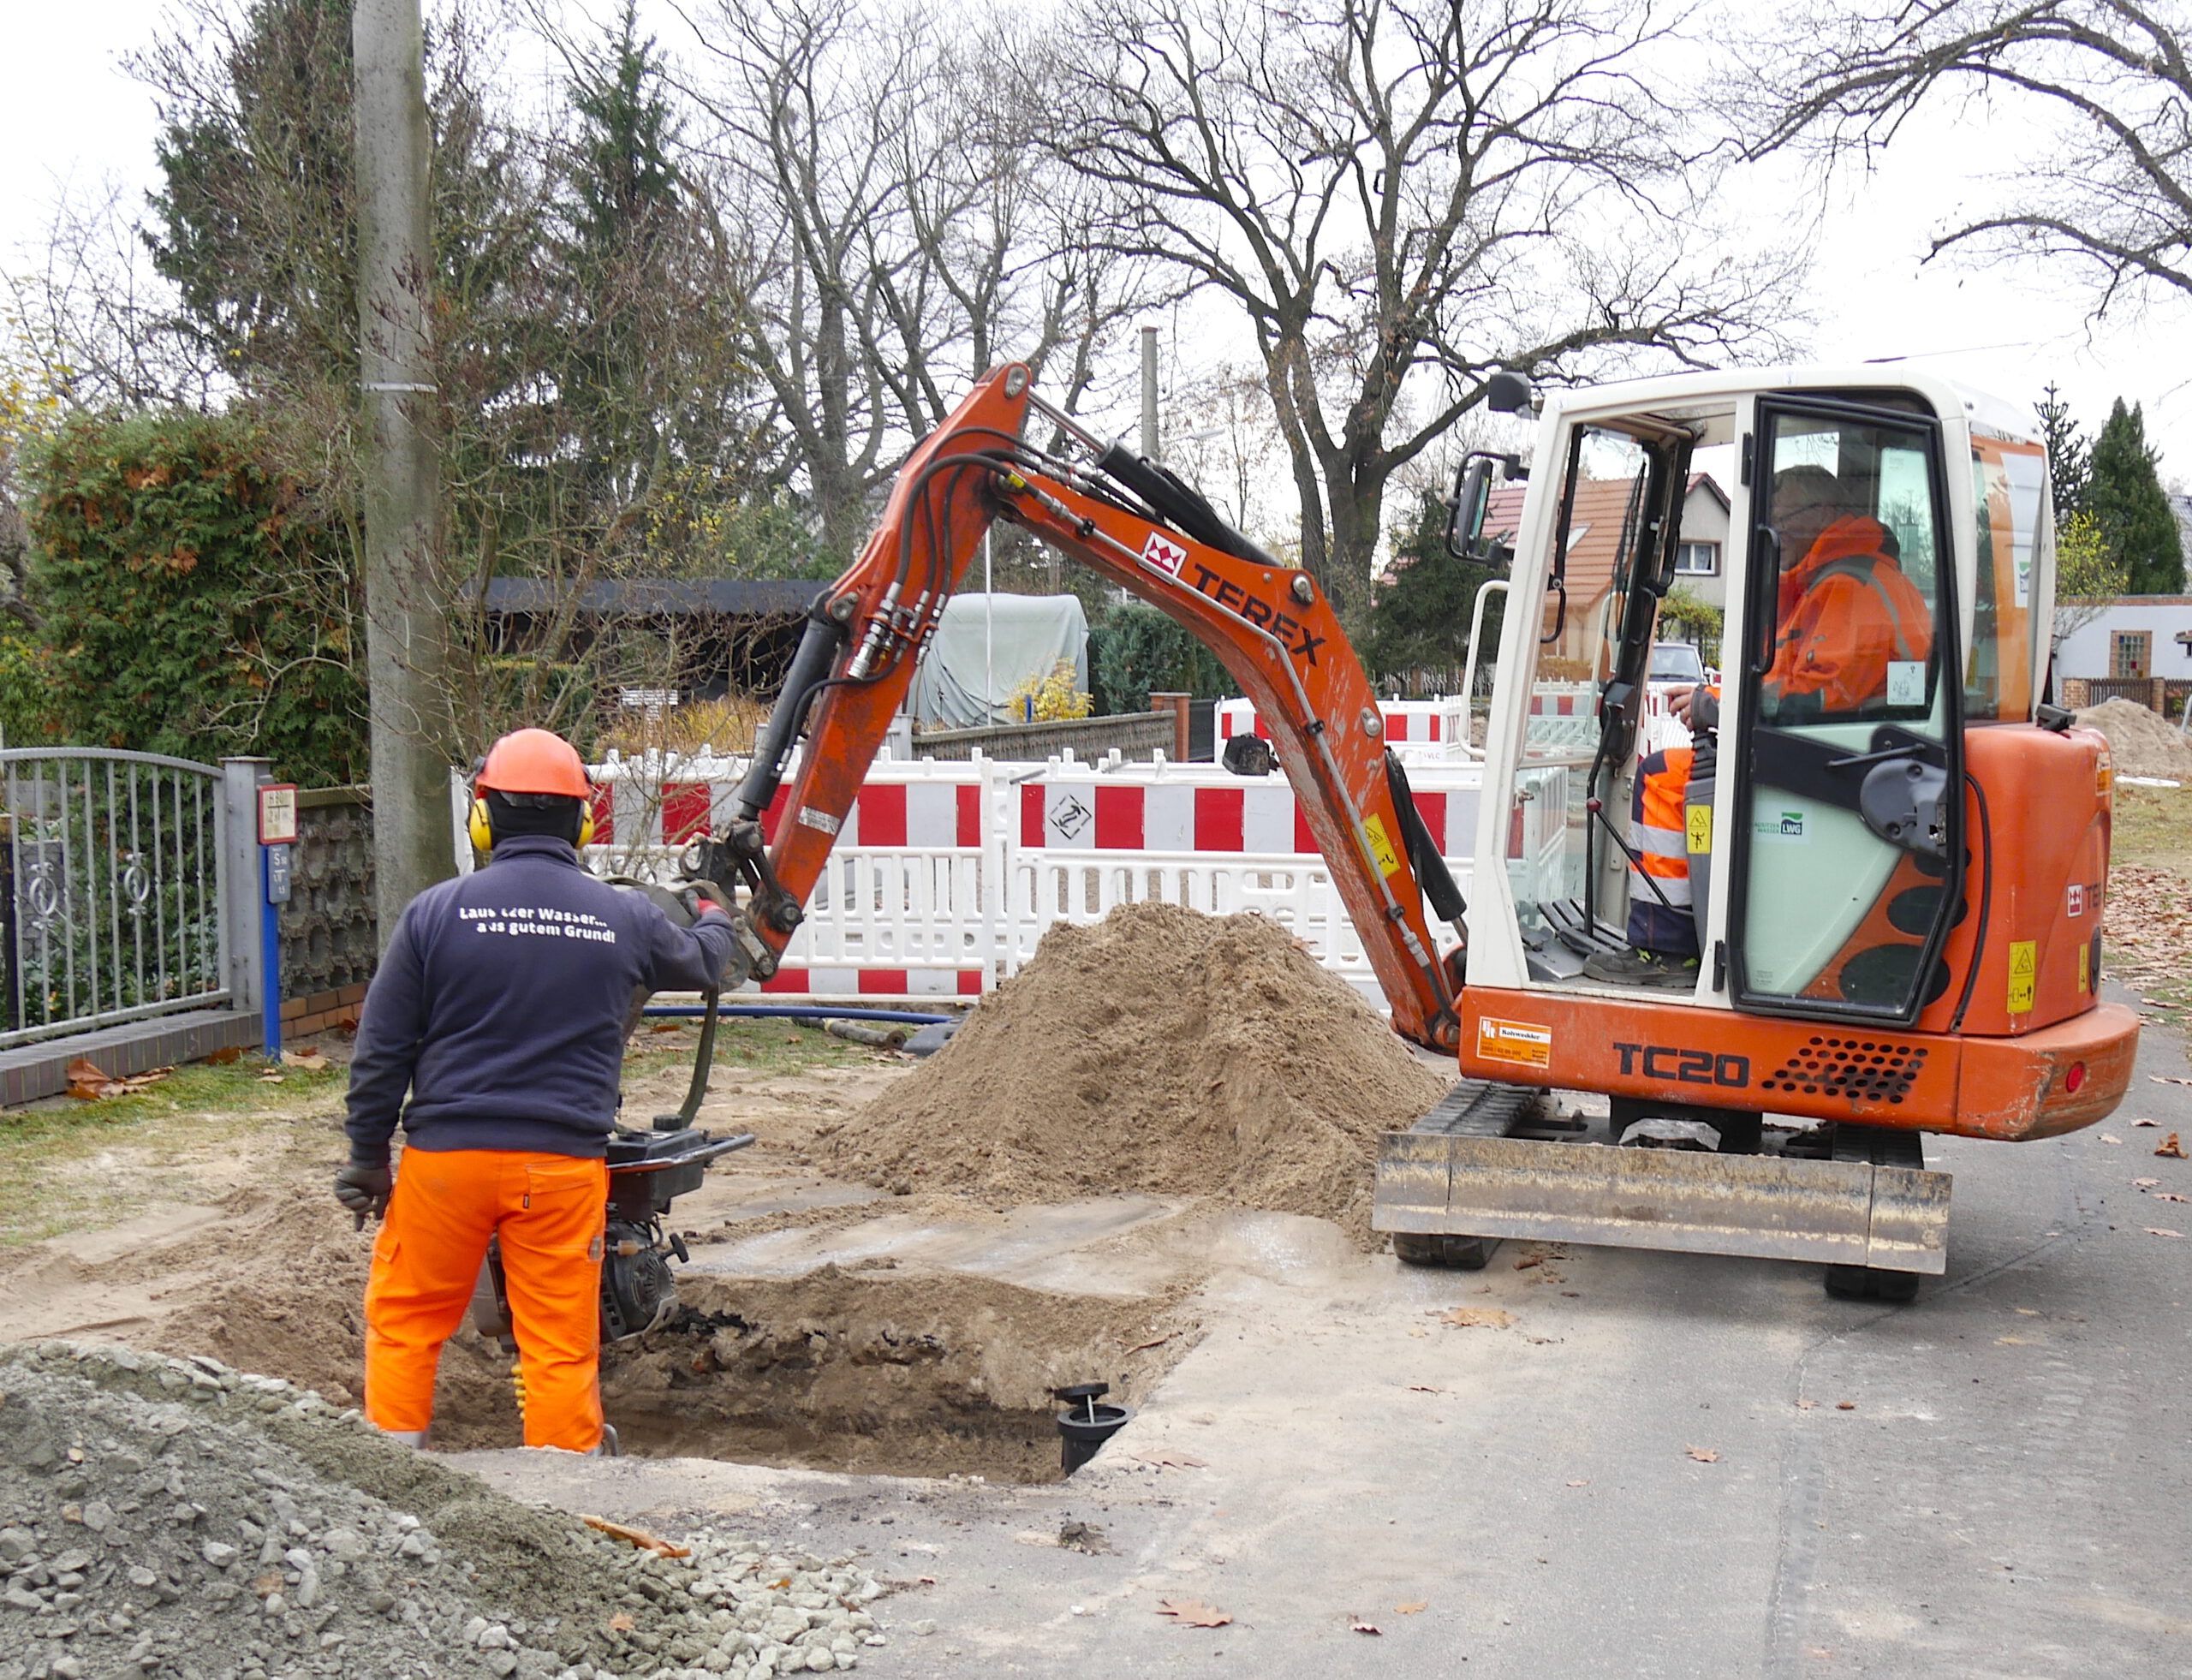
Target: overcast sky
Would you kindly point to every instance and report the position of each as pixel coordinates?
(71, 118)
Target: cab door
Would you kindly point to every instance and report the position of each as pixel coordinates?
(1848, 850)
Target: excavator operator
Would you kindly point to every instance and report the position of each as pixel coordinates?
(500, 1006)
(1846, 612)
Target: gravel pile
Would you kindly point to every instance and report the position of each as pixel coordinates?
(173, 1517)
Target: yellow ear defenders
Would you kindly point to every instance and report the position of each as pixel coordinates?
(483, 834)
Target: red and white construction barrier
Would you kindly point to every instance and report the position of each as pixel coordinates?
(947, 874)
(1431, 723)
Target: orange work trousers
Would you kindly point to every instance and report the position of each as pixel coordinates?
(549, 1211)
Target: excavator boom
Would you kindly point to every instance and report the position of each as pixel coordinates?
(1268, 623)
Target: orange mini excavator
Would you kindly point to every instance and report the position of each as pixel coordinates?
(1894, 885)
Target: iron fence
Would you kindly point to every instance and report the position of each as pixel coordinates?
(113, 876)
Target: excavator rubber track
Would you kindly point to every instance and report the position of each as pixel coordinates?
(1490, 1162)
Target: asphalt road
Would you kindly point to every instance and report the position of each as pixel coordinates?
(1991, 1482)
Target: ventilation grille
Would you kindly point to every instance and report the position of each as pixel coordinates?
(1862, 1070)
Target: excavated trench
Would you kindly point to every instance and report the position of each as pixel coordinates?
(875, 1371)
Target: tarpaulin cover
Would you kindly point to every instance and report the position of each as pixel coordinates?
(1029, 636)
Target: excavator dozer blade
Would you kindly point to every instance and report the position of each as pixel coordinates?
(1461, 1172)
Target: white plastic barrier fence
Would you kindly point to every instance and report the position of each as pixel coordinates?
(1417, 729)
(947, 874)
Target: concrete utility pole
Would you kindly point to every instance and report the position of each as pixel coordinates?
(407, 615)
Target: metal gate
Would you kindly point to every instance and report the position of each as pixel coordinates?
(118, 881)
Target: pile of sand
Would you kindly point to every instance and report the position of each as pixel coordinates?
(2139, 741)
(1160, 1051)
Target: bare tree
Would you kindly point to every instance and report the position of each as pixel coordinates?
(905, 231)
(2105, 184)
(1399, 194)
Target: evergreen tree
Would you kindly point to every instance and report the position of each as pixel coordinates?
(2069, 456)
(1420, 618)
(2136, 522)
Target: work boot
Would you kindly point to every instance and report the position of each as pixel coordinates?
(607, 1447)
(1642, 968)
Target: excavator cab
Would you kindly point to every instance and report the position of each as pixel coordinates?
(1810, 912)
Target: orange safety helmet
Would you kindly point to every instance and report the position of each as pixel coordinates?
(534, 761)
(530, 761)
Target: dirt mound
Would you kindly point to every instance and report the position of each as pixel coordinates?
(2139, 742)
(1161, 1050)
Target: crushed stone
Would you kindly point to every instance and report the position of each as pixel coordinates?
(178, 1518)
(1162, 1050)
(2140, 743)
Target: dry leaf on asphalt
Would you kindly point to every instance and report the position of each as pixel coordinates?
(622, 1622)
(2167, 1195)
(2146, 1123)
(2144, 1184)
(2169, 1148)
(1475, 1318)
(1703, 1454)
(310, 1060)
(1845, 1405)
(1193, 1613)
(2110, 1137)
(2160, 1231)
(1413, 1608)
(1528, 1261)
(1807, 1405)
(2169, 1079)
(1155, 1342)
(1580, 1482)
(1424, 1388)
(1356, 1624)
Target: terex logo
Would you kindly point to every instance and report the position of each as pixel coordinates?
(1259, 612)
(1165, 555)
(1686, 1067)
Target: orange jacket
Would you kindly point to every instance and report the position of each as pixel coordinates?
(1841, 627)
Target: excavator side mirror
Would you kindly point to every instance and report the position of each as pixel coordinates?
(1471, 500)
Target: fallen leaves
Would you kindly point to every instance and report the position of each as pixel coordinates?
(1807, 1405)
(1845, 1405)
(88, 1082)
(2146, 1123)
(310, 1060)
(2169, 1148)
(622, 1622)
(2144, 1184)
(638, 1537)
(1413, 1608)
(1154, 1342)
(2110, 1137)
(2160, 1231)
(1580, 1482)
(226, 1054)
(1424, 1388)
(1704, 1455)
(1193, 1613)
(1474, 1318)
(2168, 1195)
(2170, 1078)
(1356, 1624)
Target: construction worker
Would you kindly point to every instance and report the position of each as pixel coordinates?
(500, 1007)
(1846, 613)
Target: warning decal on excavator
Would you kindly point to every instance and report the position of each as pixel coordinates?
(1520, 1042)
(2024, 966)
(1700, 829)
(1381, 845)
(2085, 968)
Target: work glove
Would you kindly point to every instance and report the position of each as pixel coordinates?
(700, 896)
(363, 1187)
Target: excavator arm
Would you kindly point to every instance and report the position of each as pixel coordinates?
(1268, 623)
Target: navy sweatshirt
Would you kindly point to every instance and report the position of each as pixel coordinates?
(500, 1005)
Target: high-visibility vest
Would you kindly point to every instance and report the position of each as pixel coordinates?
(1836, 642)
